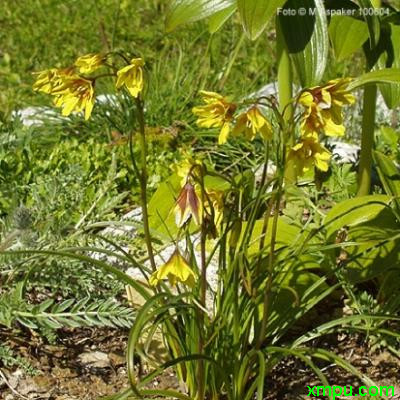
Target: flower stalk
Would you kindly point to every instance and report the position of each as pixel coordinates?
(142, 176)
(367, 140)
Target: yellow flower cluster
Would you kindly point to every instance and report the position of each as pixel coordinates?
(323, 114)
(74, 92)
(218, 112)
(323, 108)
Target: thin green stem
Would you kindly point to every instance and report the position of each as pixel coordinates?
(142, 176)
(367, 140)
(271, 259)
(232, 61)
(203, 290)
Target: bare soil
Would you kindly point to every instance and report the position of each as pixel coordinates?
(86, 364)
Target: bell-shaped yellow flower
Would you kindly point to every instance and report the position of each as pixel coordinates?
(75, 94)
(324, 106)
(89, 62)
(131, 77)
(216, 113)
(51, 79)
(308, 154)
(188, 205)
(176, 269)
(252, 122)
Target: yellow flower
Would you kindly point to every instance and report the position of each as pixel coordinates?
(252, 122)
(89, 62)
(75, 94)
(323, 106)
(176, 269)
(189, 167)
(216, 113)
(51, 79)
(132, 77)
(307, 154)
(216, 198)
(188, 205)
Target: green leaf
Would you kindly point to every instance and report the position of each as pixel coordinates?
(347, 35)
(184, 11)
(374, 26)
(286, 235)
(218, 19)
(161, 205)
(376, 250)
(255, 15)
(306, 39)
(391, 93)
(354, 212)
(389, 175)
(387, 75)
(390, 137)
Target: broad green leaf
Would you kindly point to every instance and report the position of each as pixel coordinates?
(390, 137)
(255, 15)
(184, 11)
(347, 35)
(161, 206)
(391, 94)
(354, 212)
(306, 39)
(286, 235)
(377, 250)
(387, 75)
(218, 19)
(389, 175)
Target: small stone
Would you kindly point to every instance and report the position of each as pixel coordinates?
(117, 359)
(95, 359)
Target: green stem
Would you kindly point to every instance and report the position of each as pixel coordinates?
(285, 87)
(232, 61)
(271, 259)
(143, 181)
(285, 75)
(367, 140)
(203, 292)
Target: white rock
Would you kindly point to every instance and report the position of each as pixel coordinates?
(344, 152)
(31, 116)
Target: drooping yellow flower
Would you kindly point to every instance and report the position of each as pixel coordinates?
(89, 62)
(216, 113)
(176, 269)
(252, 122)
(50, 80)
(324, 106)
(308, 154)
(75, 94)
(188, 205)
(131, 77)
